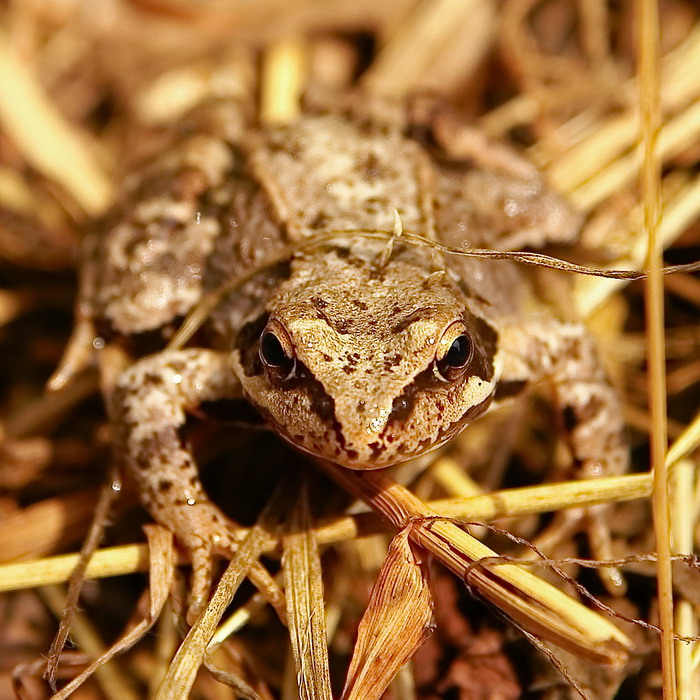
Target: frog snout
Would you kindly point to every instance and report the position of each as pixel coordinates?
(362, 428)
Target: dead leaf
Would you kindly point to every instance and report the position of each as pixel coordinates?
(398, 619)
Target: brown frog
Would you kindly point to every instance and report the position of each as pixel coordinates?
(355, 346)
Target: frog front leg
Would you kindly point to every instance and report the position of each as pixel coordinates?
(565, 354)
(150, 404)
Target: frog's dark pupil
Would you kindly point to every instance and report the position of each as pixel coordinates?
(458, 354)
(272, 351)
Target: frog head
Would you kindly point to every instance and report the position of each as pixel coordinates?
(367, 367)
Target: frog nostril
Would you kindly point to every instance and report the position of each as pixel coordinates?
(401, 408)
(325, 408)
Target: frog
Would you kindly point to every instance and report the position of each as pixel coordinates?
(354, 344)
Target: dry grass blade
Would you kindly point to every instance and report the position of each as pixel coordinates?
(305, 606)
(535, 605)
(398, 619)
(688, 441)
(683, 478)
(413, 56)
(503, 504)
(545, 498)
(284, 68)
(238, 619)
(111, 561)
(676, 135)
(679, 213)
(605, 141)
(111, 679)
(238, 685)
(15, 194)
(46, 140)
(41, 527)
(167, 638)
(161, 576)
(101, 512)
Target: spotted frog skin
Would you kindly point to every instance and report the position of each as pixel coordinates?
(358, 349)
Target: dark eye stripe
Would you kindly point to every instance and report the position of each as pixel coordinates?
(487, 339)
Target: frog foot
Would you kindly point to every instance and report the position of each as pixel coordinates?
(597, 524)
(200, 582)
(203, 546)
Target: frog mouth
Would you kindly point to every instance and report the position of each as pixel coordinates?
(382, 450)
(374, 431)
(395, 442)
(371, 441)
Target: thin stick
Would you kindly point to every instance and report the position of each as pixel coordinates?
(113, 681)
(648, 44)
(161, 575)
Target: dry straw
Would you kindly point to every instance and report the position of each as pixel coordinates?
(650, 143)
(126, 559)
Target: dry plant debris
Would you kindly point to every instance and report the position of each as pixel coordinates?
(86, 93)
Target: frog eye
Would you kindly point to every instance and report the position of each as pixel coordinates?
(455, 352)
(276, 352)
